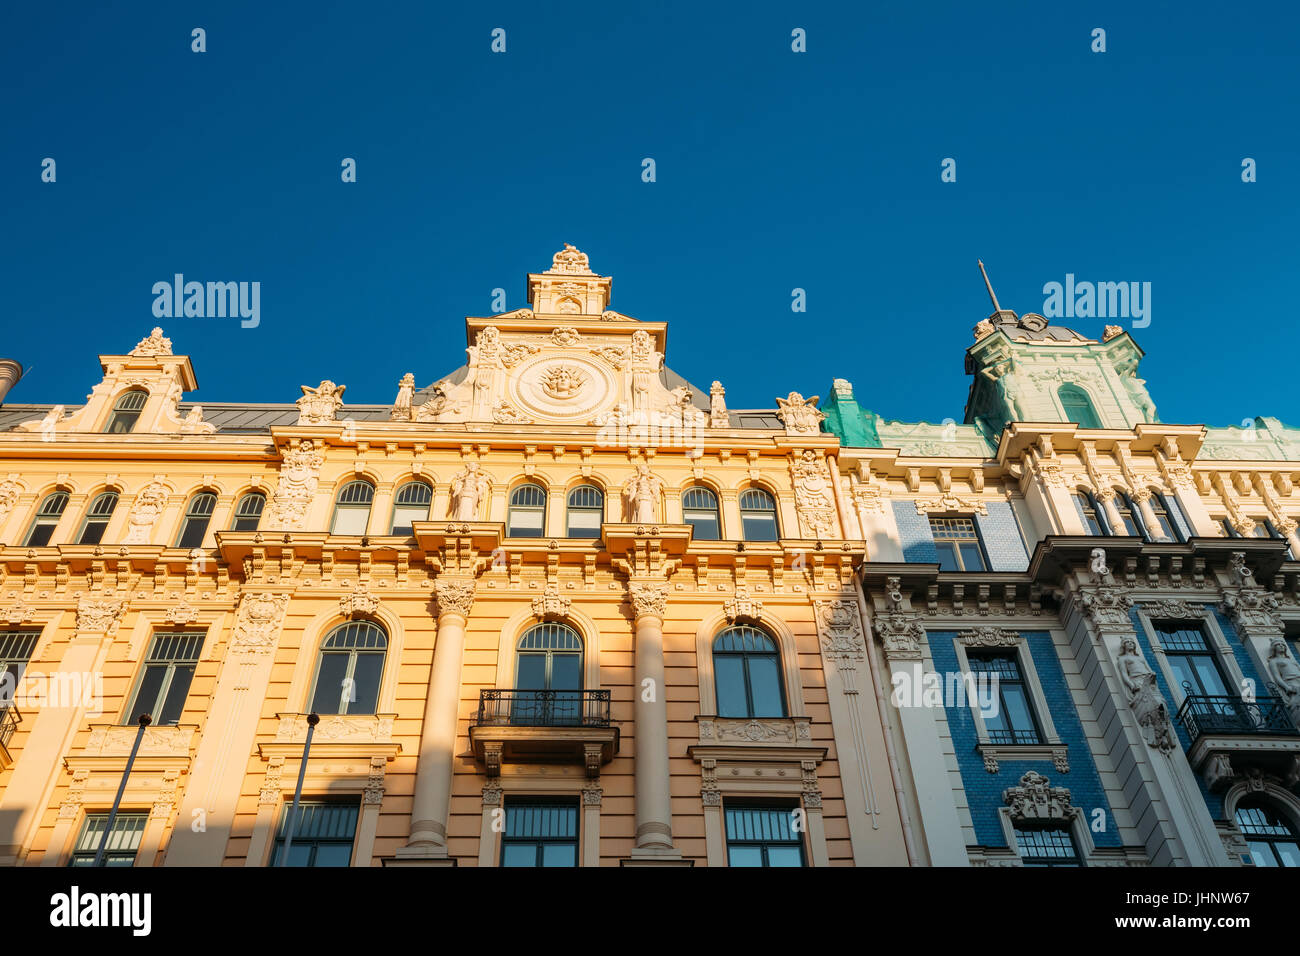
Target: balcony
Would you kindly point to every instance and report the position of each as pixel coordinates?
(1230, 735)
(543, 726)
(10, 718)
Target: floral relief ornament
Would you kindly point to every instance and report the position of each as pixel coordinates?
(299, 477)
(651, 599)
(98, 615)
(257, 622)
(841, 629)
(454, 596)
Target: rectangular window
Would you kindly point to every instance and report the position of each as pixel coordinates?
(1046, 846)
(123, 842)
(763, 836)
(1012, 721)
(958, 542)
(540, 833)
(16, 649)
(165, 682)
(322, 836)
(1194, 663)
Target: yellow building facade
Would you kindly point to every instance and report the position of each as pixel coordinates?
(559, 606)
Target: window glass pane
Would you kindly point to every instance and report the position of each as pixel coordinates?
(559, 854)
(765, 686)
(365, 683)
(759, 527)
(584, 523)
(745, 856)
(41, 534)
(146, 699)
(531, 672)
(351, 519)
(947, 551)
(332, 854)
(526, 523)
(404, 517)
(730, 671)
(971, 558)
(1208, 678)
(192, 532)
(784, 856)
(182, 676)
(329, 683)
(1019, 716)
(566, 672)
(705, 524)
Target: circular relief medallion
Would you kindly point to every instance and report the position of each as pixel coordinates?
(563, 388)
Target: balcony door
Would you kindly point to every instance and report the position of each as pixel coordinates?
(548, 677)
(1194, 663)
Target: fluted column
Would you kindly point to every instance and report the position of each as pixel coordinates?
(654, 833)
(433, 769)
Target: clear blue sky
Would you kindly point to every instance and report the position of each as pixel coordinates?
(775, 170)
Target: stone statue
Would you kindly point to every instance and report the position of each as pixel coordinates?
(194, 423)
(1285, 673)
(155, 344)
(1144, 697)
(799, 416)
(401, 410)
(468, 490)
(641, 495)
(148, 506)
(320, 405)
(718, 417)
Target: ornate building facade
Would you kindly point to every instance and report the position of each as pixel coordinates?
(562, 607)
(559, 607)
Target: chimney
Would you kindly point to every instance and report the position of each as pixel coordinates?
(10, 373)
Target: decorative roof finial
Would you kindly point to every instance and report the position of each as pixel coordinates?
(989, 286)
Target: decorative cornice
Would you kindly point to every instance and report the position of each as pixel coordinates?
(1174, 609)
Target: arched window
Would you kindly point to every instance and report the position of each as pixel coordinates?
(349, 670)
(586, 511)
(758, 515)
(96, 520)
(411, 504)
(1271, 836)
(1078, 407)
(197, 516)
(352, 508)
(1128, 515)
(527, 512)
(1093, 522)
(548, 677)
(47, 519)
(248, 512)
(126, 411)
(1160, 507)
(747, 674)
(700, 511)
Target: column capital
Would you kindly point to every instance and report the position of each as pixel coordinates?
(1107, 607)
(649, 599)
(454, 595)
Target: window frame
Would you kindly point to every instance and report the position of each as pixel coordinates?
(978, 538)
(349, 672)
(191, 515)
(750, 513)
(540, 842)
(512, 507)
(80, 858)
(1266, 802)
(570, 509)
(777, 807)
(714, 512)
(1022, 681)
(12, 642)
(774, 654)
(100, 520)
(237, 514)
(300, 839)
(130, 716)
(407, 530)
(1084, 400)
(353, 507)
(40, 519)
(119, 412)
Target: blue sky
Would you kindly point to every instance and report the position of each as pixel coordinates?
(775, 170)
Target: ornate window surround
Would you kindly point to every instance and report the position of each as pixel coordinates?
(713, 624)
(1194, 613)
(522, 620)
(308, 656)
(588, 794)
(1079, 830)
(1286, 802)
(361, 776)
(1052, 748)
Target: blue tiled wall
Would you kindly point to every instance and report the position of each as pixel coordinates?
(984, 789)
(1002, 540)
(914, 533)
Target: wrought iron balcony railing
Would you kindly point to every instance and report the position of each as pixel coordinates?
(10, 718)
(543, 708)
(1231, 716)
